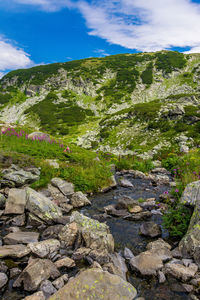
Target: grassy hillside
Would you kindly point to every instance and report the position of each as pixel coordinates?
(127, 103)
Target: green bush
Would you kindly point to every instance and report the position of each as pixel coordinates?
(147, 111)
(177, 220)
(169, 61)
(147, 75)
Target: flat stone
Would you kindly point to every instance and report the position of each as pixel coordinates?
(65, 262)
(47, 288)
(52, 232)
(67, 188)
(42, 206)
(81, 253)
(135, 209)
(37, 271)
(18, 221)
(96, 284)
(21, 237)
(44, 248)
(15, 251)
(16, 201)
(147, 263)
(59, 283)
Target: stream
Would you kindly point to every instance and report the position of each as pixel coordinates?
(126, 234)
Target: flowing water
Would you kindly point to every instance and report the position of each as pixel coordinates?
(126, 234)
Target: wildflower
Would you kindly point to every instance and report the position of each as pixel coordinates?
(166, 192)
(176, 190)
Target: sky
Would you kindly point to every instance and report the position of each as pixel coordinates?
(34, 32)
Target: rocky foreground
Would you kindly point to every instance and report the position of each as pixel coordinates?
(49, 250)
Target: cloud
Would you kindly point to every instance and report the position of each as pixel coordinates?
(144, 25)
(101, 52)
(47, 5)
(12, 57)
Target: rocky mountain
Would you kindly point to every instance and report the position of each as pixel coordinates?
(125, 104)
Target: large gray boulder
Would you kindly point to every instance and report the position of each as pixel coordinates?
(67, 188)
(78, 199)
(96, 284)
(42, 206)
(44, 248)
(146, 263)
(16, 201)
(190, 244)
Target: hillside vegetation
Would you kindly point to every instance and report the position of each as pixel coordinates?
(126, 104)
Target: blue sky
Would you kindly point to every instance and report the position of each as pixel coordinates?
(45, 31)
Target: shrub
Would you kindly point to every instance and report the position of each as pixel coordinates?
(169, 61)
(177, 220)
(147, 75)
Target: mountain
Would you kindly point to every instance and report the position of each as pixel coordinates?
(125, 104)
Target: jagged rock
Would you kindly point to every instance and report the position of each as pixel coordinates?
(47, 288)
(68, 234)
(176, 253)
(150, 229)
(111, 210)
(59, 283)
(41, 206)
(2, 201)
(79, 199)
(37, 271)
(139, 216)
(81, 253)
(52, 232)
(67, 188)
(3, 279)
(20, 177)
(147, 263)
(96, 235)
(14, 272)
(36, 296)
(18, 221)
(126, 202)
(190, 243)
(21, 237)
(16, 201)
(181, 272)
(65, 262)
(44, 248)
(119, 264)
(100, 256)
(161, 277)
(125, 183)
(98, 283)
(34, 220)
(17, 251)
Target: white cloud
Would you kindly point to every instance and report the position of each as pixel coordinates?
(47, 5)
(11, 57)
(144, 25)
(101, 52)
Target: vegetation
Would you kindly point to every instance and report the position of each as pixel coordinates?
(147, 75)
(169, 61)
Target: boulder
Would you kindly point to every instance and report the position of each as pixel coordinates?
(47, 288)
(37, 271)
(21, 237)
(126, 202)
(18, 220)
(112, 184)
(181, 272)
(160, 248)
(79, 199)
(67, 188)
(16, 201)
(95, 235)
(190, 243)
(147, 263)
(150, 229)
(3, 279)
(19, 176)
(15, 251)
(52, 232)
(119, 264)
(41, 206)
(44, 248)
(96, 284)
(68, 234)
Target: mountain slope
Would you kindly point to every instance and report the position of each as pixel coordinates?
(127, 103)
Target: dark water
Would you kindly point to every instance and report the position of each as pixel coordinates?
(126, 234)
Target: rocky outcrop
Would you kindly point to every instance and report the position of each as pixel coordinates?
(16, 201)
(190, 244)
(95, 283)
